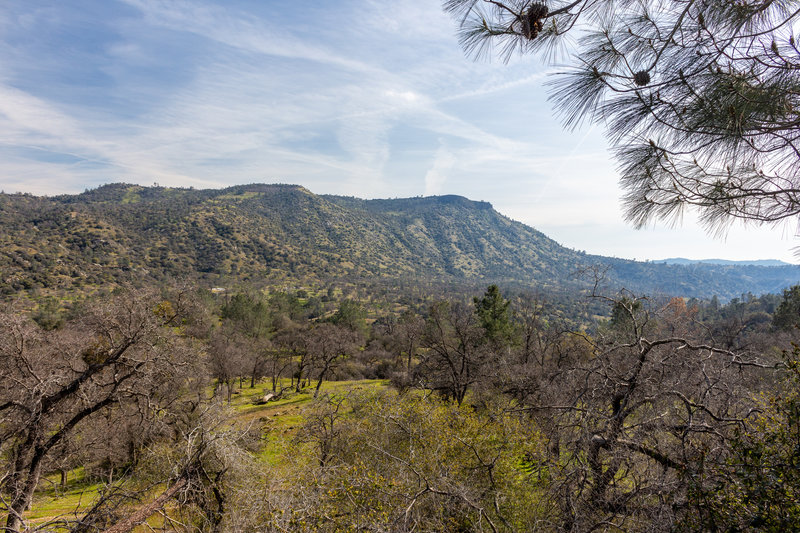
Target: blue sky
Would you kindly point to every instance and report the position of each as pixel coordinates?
(367, 98)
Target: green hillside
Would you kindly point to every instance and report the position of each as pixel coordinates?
(284, 233)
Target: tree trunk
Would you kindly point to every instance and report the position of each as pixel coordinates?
(319, 384)
(22, 500)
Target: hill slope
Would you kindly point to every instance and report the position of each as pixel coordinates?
(278, 233)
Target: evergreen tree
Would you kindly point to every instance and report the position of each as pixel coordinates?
(494, 316)
(351, 315)
(700, 96)
(249, 312)
(787, 316)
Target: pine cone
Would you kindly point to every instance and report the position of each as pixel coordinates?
(537, 11)
(532, 20)
(641, 78)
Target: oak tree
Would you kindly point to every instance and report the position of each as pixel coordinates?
(124, 351)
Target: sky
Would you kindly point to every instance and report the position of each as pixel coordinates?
(365, 98)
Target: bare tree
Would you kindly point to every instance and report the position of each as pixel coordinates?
(456, 351)
(228, 356)
(278, 361)
(327, 344)
(528, 313)
(294, 342)
(205, 473)
(323, 426)
(51, 383)
(636, 418)
(406, 337)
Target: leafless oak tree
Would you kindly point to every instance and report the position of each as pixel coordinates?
(124, 350)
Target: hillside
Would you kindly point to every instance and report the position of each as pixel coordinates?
(284, 233)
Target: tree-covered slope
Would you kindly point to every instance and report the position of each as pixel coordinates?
(280, 233)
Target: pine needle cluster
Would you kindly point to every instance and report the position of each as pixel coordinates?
(700, 97)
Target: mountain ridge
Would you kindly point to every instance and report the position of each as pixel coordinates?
(752, 262)
(274, 233)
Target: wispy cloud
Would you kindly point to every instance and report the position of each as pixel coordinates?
(238, 30)
(440, 171)
(355, 97)
(245, 100)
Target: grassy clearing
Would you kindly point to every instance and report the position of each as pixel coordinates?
(280, 420)
(52, 501)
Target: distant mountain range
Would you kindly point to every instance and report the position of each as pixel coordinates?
(757, 262)
(272, 234)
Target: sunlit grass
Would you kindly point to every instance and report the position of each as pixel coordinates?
(53, 501)
(279, 419)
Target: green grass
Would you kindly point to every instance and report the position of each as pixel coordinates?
(241, 196)
(280, 419)
(132, 196)
(52, 501)
(284, 417)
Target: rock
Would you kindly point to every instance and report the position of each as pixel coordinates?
(266, 398)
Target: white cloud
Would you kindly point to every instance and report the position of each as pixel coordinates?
(406, 97)
(238, 30)
(408, 19)
(438, 174)
(204, 94)
(25, 115)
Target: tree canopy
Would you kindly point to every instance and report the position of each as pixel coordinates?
(700, 97)
(494, 316)
(787, 315)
